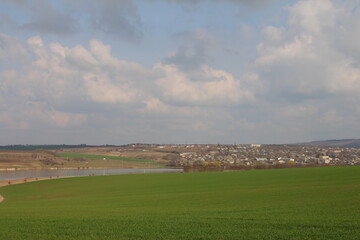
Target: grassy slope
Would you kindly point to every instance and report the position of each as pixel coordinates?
(92, 156)
(313, 203)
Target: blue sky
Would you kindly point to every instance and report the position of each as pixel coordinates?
(191, 71)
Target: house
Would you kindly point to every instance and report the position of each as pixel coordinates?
(255, 145)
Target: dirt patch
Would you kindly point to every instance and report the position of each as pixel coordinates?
(1, 198)
(18, 181)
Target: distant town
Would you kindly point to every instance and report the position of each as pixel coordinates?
(253, 155)
(187, 156)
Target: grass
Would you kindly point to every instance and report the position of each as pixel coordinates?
(311, 203)
(92, 156)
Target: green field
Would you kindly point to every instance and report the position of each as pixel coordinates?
(91, 156)
(310, 203)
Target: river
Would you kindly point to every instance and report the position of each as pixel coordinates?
(54, 173)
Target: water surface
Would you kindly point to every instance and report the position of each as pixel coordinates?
(54, 173)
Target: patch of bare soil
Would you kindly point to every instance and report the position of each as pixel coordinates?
(18, 181)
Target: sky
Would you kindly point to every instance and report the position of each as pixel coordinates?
(179, 71)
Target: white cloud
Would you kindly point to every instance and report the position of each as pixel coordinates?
(10, 120)
(273, 34)
(307, 60)
(67, 87)
(81, 73)
(56, 79)
(314, 17)
(101, 89)
(206, 87)
(156, 105)
(63, 119)
(11, 49)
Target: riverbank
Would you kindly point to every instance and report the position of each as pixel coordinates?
(81, 168)
(32, 175)
(18, 181)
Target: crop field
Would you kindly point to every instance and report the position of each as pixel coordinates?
(308, 203)
(93, 156)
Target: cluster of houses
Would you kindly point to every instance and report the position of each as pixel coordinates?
(216, 155)
(256, 154)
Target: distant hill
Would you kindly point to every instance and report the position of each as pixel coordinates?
(352, 143)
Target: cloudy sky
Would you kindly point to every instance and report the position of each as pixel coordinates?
(179, 71)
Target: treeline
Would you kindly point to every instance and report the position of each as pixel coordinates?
(41, 147)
